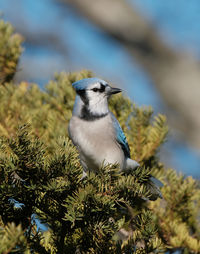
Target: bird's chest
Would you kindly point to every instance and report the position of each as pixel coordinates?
(95, 140)
(91, 134)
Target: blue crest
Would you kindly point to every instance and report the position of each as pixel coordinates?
(85, 83)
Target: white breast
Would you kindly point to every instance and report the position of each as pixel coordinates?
(96, 142)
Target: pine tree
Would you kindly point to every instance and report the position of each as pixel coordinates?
(40, 176)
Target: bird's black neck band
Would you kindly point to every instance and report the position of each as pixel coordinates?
(88, 116)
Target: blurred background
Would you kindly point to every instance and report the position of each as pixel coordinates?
(149, 48)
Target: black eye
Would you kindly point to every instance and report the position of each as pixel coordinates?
(95, 89)
(102, 88)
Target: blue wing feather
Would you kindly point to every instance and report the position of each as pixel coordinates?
(120, 137)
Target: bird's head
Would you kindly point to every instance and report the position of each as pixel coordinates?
(92, 97)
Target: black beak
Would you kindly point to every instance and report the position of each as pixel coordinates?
(114, 90)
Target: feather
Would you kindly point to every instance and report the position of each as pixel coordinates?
(154, 186)
(83, 84)
(120, 136)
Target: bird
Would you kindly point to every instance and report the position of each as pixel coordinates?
(96, 132)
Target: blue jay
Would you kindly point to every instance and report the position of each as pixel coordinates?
(95, 131)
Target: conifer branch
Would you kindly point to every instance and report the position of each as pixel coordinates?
(41, 175)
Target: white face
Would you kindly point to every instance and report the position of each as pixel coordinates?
(97, 95)
(92, 102)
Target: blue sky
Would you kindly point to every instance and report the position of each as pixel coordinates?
(177, 21)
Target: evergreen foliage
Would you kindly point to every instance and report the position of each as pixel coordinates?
(40, 176)
(10, 50)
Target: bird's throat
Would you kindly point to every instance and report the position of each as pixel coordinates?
(87, 115)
